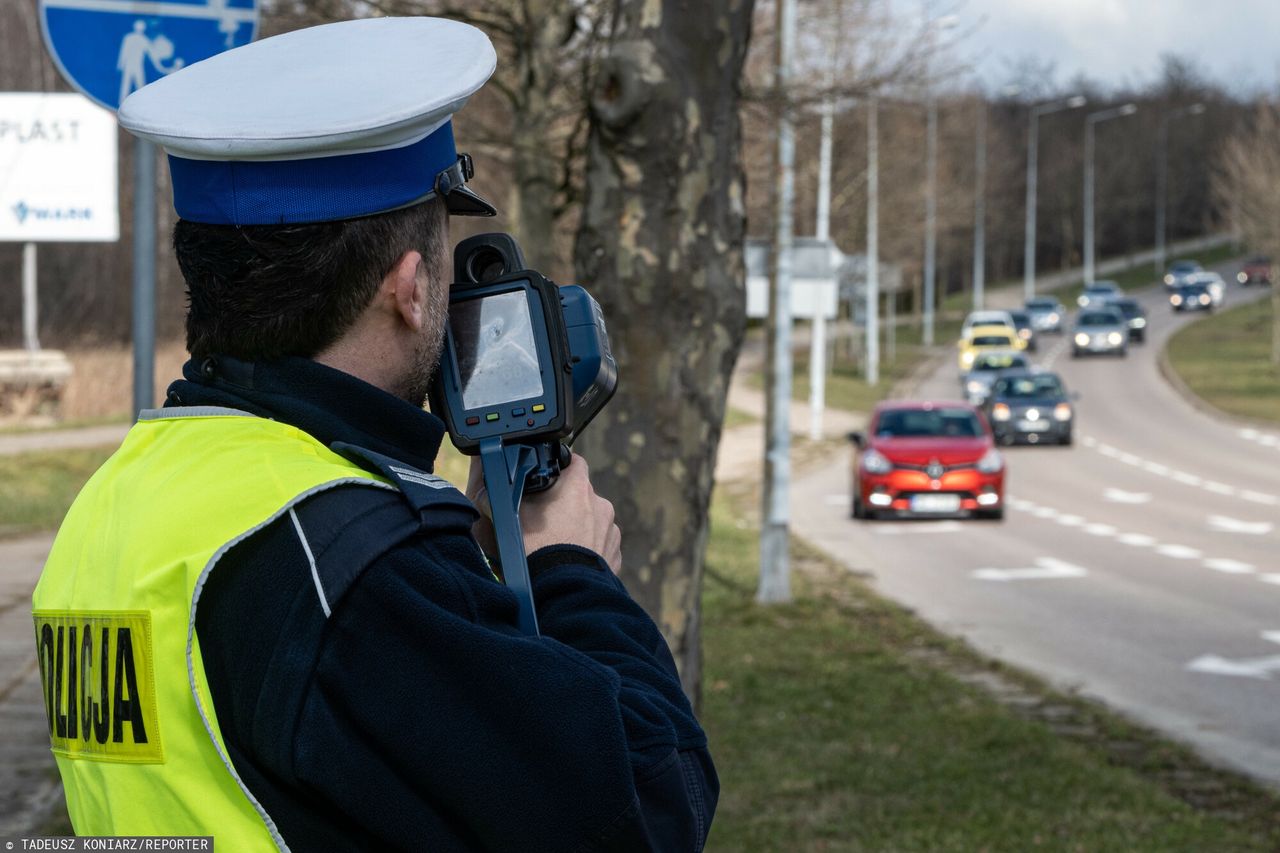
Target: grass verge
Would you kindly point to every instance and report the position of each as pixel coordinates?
(1225, 359)
(841, 722)
(36, 489)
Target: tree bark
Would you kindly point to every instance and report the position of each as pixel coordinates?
(660, 246)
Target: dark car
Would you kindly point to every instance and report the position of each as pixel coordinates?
(987, 368)
(1191, 297)
(1032, 407)
(1135, 316)
(1026, 329)
(927, 459)
(1178, 272)
(1255, 271)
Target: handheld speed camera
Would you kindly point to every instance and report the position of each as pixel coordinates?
(526, 365)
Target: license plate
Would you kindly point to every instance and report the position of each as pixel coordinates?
(935, 503)
(1033, 426)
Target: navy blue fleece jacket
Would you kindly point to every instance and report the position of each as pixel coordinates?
(415, 716)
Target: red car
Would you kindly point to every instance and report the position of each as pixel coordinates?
(1255, 271)
(927, 459)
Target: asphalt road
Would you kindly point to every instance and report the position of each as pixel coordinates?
(1150, 553)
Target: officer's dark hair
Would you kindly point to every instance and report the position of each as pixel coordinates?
(259, 292)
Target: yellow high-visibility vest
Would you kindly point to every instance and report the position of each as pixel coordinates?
(131, 719)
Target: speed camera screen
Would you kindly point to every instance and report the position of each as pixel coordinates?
(497, 356)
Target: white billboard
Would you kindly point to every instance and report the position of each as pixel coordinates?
(57, 169)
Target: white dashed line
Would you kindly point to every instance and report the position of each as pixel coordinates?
(1097, 529)
(1185, 478)
(1230, 567)
(1178, 552)
(1070, 520)
(1275, 579)
(1137, 540)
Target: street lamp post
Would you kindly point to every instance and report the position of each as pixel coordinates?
(1033, 151)
(1090, 121)
(946, 22)
(980, 205)
(1162, 177)
(872, 294)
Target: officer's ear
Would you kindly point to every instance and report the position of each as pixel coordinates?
(405, 288)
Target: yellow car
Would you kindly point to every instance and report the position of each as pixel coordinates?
(982, 338)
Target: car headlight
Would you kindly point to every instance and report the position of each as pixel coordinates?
(1062, 412)
(875, 462)
(1204, 299)
(1082, 339)
(991, 463)
(1025, 334)
(1175, 299)
(1000, 412)
(1242, 276)
(975, 387)
(1139, 322)
(1082, 301)
(1115, 339)
(1053, 318)
(1168, 279)
(967, 358)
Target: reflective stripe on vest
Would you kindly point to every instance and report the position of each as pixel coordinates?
(130, 716)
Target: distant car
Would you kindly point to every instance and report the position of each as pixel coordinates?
(986, 318)
(1047, 314)
(1211, 280)
(1134, 315)
(1100, 330)
(927, 459)
(987, 338)
(1194, 296)
(987, 368)
(1030, 406)
(1097, 293)
(1178, 271)
(1026, 331)
(1256, 270)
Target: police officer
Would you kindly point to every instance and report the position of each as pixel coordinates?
(265, 619)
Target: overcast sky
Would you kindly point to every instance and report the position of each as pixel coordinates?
(1118, 41)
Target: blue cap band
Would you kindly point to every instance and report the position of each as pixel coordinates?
(321, 189)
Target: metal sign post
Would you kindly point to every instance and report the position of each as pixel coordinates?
(108, 49)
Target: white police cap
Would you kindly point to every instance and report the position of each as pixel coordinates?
(330, 122)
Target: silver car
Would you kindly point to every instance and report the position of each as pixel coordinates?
(1047, 314)
(1178, 273)
(987, 368)
(1098, 293)
(1100, 330)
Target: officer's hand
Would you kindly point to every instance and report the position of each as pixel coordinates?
(568, 513)
(571, 513)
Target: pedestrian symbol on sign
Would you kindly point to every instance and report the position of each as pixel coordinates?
(135, 50)
(109, 49)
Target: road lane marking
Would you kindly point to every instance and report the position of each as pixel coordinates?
(1259, 668)
(1046, 568)
(1183, 477)
(1263, 438)
(1120, 496)
(1044, 512)
(1230, 567)
(1070, 520)
(1179, 552)
(1226, 524)
(1275, 579)
(1271, 636)
(1137, 540)
(1098, 529)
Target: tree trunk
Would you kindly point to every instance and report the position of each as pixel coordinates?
(660, 245)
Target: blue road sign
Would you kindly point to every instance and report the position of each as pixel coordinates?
(109, 48)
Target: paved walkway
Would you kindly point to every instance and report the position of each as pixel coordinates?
(62, 439)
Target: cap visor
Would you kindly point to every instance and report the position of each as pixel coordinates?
(463, 202)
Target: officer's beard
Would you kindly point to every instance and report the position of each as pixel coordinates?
(426, 356)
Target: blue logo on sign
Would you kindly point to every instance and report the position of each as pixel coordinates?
(110, 48)
(22, 211)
